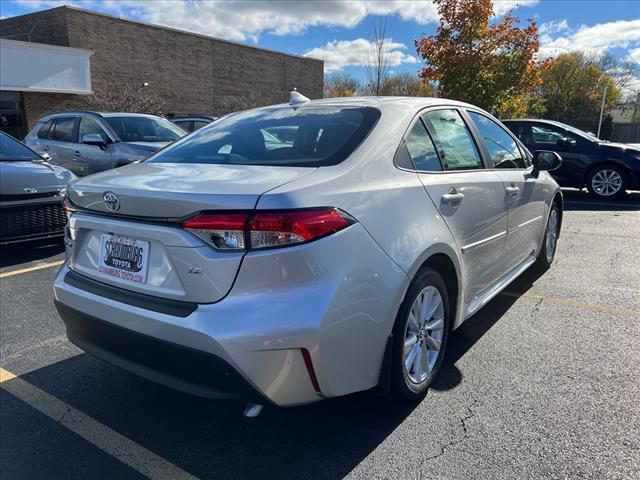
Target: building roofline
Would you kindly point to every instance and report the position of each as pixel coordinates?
(8, 42)
(162, 27)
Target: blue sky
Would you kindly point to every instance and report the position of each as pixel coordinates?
(339, 31)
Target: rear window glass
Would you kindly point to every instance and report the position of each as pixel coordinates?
(311, 136)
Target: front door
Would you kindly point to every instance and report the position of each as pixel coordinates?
(523, 195)
(470, 198)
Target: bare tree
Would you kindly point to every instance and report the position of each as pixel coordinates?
(342, 85)
(405, 84)
(125, 98)
(377, 65)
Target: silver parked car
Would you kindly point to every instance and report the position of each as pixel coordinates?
(30, 194)
(335, 263)
(90, 142)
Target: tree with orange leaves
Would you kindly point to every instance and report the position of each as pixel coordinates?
(477, 59)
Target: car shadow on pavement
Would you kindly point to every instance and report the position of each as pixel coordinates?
(582, 201)
(24, 252)
(211, 438)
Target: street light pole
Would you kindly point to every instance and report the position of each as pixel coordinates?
(604, 97)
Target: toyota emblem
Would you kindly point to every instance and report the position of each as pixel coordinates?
(111, 201)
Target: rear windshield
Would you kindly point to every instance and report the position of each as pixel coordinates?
(145, 129)
(306, 136)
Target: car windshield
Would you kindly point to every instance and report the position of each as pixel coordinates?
(12, 150)
(145, 129)
(287, 136)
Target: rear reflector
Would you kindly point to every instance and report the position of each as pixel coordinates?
(224, 231)
(258, 230)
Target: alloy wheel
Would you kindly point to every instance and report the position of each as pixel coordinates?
(606, 182)
(423, 334)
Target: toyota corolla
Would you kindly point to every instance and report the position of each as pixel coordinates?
(339, 260)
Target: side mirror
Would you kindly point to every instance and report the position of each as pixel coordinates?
(546, 160)
(566, 142)
(94, 139)
(45, 156)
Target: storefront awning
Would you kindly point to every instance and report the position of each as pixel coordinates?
(36, 67)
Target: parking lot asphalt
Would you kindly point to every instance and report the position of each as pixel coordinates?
(544, 382)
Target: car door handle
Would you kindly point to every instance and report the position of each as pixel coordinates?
(512, 191)
(452, 198)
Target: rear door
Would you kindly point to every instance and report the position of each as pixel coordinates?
(523, 195)
(469, 196)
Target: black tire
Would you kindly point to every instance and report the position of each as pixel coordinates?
(545, 257)
(601, 171)
(402, 387)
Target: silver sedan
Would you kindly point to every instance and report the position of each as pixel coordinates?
(336, 261)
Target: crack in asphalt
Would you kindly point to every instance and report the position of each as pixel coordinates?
(455, 441)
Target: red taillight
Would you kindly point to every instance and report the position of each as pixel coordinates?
(224, 231)
(228, 231)
(269, 229)
(67, 207)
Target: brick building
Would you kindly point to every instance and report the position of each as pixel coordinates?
(191, 73)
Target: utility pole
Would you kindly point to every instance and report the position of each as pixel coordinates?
(604, 97)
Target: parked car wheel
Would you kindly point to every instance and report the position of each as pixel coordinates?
(607, 182)
(548, 250)
(420, 336)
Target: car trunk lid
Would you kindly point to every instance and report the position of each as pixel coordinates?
(141, 247)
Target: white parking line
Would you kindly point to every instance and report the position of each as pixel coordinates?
(118, 446)
(31, 269)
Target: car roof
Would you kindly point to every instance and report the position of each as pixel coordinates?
(191, 117)
(537, 120)
(381, 103)
(98, 114)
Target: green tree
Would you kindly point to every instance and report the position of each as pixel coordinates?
(572, 90)
(478, 59)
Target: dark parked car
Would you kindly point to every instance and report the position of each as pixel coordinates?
(606, 169)
(90, 142)
(191, 123)
(30, 198)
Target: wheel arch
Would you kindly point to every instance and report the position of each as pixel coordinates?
(608, 161)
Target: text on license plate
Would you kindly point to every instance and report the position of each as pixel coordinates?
(124, 258)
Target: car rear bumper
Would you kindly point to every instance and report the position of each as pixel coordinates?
(298, 325)
(176, 366)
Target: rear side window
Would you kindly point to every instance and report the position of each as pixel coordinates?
(421, 149)
(197, 125)
(185, 125)
(62, 129)
(303, 136)
(44, 131)
(453, 139)
(502, 148)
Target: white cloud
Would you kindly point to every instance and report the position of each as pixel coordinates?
(595, 39)
(554, 26)
(242, 20)
(500, 7)
(634, 55)
(343, 53)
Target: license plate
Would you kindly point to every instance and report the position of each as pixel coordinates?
(124, 258)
